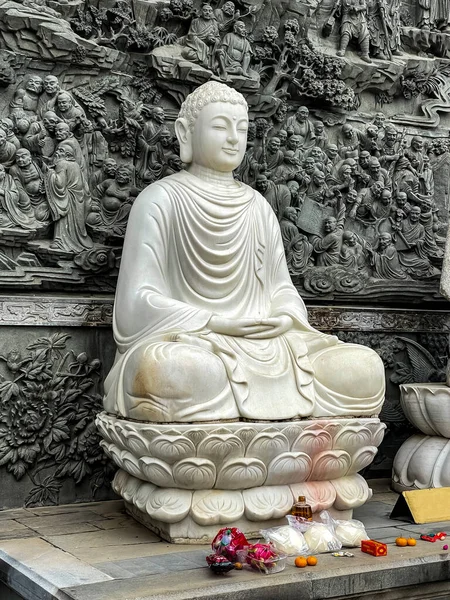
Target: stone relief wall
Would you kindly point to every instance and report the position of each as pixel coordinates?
(348, 139)
(349, 143)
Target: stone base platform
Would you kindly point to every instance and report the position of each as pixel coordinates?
(97, 552)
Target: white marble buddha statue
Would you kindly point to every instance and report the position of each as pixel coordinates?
(207, 322)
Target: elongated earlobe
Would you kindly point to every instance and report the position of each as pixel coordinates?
(184, 136)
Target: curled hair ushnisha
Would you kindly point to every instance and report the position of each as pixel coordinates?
(209, 92)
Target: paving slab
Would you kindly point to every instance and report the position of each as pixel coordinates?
(135, 534)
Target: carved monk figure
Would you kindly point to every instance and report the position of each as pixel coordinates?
(237, 51)
(67, 198)
(7, 150)
(207, 321)
(15, 210)
(30, 183)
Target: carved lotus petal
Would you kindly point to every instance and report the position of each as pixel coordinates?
(171, 448)
(194, 473)
(319, 494)
(289, 467)
(268, 502)
(115, 434)
(156, 471)
(221, 431)
(330, 465)
(216, 507)
(196, 435)
(246, 434)
(266, 445)
(149, 433)
(352, 437)
(377, 430)
(292, 432)
(313, 441)
(125, 485)
(136, 444)
(125, 460)
(143, 493)
(107, 448)
(219, 447)
(351, 492)
(169, 505)
(412, 399)
(241, 473)
(362, 458)
(422, 462)
(103, 426)
(437, 404)
(334, 428)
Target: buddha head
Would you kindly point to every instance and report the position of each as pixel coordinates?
(62, 131)
(23, 158)
(212, 127)
(384, 241)
(51, 85)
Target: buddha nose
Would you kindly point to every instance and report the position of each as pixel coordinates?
(233, 137)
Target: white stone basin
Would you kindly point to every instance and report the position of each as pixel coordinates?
(427, 406)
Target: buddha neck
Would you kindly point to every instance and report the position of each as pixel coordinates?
(211, 176)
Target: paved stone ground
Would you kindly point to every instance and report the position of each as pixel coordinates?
(96, 552)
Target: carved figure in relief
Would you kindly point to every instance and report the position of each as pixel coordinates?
(277, 195)
(8, 127)
(297, 247)
(413, 256)
(384, 27)
(385, 259)
(114, 200)
(66, 194)
(300, 125)
(328, 246)
(107, 171)
(243, 340)
(352, 254)
(146, 149)
(201, 44)
(29, 181)
(348, 141)
(26, 100)
(237, 51)
(47, 99)
(354, 26)
(7, 150)
(15, 210)
(440, 15)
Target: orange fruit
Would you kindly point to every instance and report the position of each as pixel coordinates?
(411, 542)
(312, 561)
(238, 566)
(300, 562)
(401, 541)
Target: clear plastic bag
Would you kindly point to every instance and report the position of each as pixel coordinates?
(286, 539)
(319, 536)
(350, 533)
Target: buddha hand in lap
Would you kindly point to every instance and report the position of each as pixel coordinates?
(207, 321)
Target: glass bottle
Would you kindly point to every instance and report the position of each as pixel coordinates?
(301, 509)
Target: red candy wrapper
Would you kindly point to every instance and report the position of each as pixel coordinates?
(228, 541)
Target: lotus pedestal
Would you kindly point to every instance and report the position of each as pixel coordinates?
(423, 461)
(185, 481)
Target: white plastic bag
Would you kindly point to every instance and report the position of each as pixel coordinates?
(286, 539)
(350, 533)
(319, 537)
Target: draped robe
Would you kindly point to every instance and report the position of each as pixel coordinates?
(193, 250)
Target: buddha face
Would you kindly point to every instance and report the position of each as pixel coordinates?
(219, 137)
(282, 136)
(332, 152)
(349, 238)
(273, 145)
(417, 144)
(262, 183)
(316, 154)
(7, 125)
(50, 121)
(319, 129)
(377, 188)
(391, 136)
(62, 132)
(159, 115)
(302, 114)
(239, 28)
(386, 197)
(51, 84)
(123, 176)
(34, 85)
(207, 12)
(166, 139)
(330, 225)
(23, 158)
(110, 167)
(228, 9)
(64, 102)
(352, 196)
(401, 199)
(294, 142)
(385, 241)
(319, 178)
(310, 166)
(414, 215)
(364, 159)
